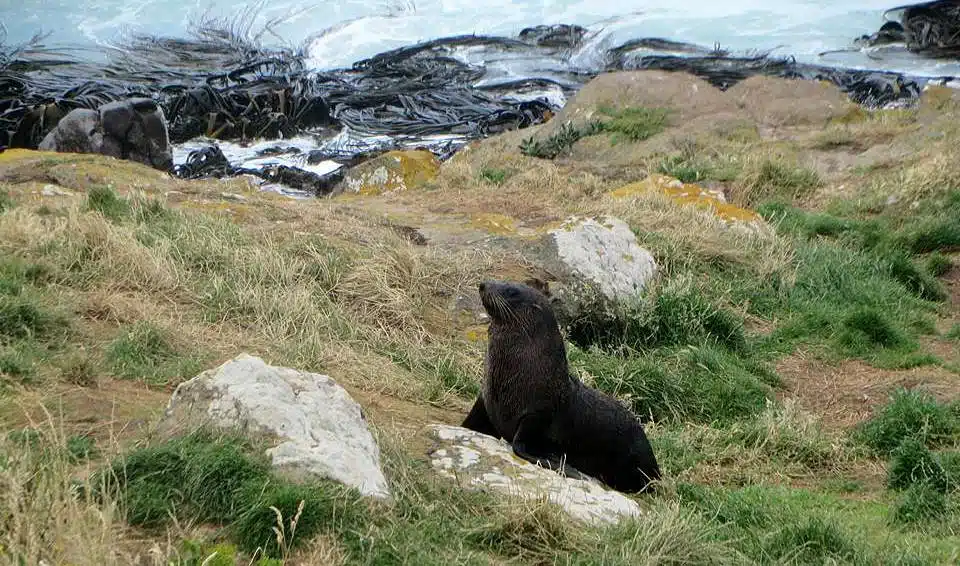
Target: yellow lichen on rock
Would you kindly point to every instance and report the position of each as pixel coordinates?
(476, 333)
(687, 194)
(392, 171)
(494, 223)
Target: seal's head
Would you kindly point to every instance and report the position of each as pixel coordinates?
(515, 304)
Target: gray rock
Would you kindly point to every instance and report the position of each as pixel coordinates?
(133, 129)
(478, 461)
(77, 132)
(595, 259)
(314, 427)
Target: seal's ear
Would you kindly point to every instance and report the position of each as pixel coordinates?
(539, 285)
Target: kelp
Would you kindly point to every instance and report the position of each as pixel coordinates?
(221, 83)
(930, 29)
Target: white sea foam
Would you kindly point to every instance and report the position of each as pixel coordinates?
(356, 29)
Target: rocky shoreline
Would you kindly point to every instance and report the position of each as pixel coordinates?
(220, 90)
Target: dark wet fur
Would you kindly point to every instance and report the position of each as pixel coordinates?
(550, 417)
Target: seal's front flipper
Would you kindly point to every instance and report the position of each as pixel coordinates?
(478, 420)
(531, 443)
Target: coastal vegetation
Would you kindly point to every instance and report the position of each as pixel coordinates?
(797, 370)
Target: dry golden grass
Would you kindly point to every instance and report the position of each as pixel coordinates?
(49, 515)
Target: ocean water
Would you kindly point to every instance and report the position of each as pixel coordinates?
(340, 32)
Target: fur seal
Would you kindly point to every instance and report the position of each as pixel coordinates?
(550, 418)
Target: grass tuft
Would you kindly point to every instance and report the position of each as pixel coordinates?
(814, 541)
(23, 317)
(913, 463)
(909, 414)
(679, 314)
(938, 264)
(920, 503)
(217, 479)
(558, 143)
(954, 332)
(107, 202)
(144, 351)
(634, 124)
(494, 175)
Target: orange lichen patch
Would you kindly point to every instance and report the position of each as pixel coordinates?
(392, 171)
(494, 223)
(687, 194)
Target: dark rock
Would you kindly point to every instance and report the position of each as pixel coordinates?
(133, 129)
(560, 35)
(77, 132)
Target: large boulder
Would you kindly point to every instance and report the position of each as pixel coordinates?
(594, 259)
(392, 171)
(133, 129)
(477, 461)
(313, 426)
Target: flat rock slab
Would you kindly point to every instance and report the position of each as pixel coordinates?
(315, 428)
(479, 461)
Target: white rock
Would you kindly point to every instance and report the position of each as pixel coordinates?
(315, 427)
(603, 252)
(54, 191)
(478, 461)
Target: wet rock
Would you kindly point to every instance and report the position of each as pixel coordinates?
(133, 129)
(392, 171)
(779, 102)
(314, 427)
(480, 462)
(595, 261)
(688, 194)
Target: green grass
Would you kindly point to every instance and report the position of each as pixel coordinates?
(558, 143)
(910, 415)
(696, 384)
(633, 124)
(851, 291)
(913, 463)
(680, 313)
(920, 503)
(107, 202)
(776, 179)
(775, 525)
(6, 201)
(954, 332)
(938, 264)
(81, 448)
(24, 317)
(144, 351)
(494, 175)
(221, 480)
(695, 169)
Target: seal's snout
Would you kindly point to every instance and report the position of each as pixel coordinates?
(482, 286)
